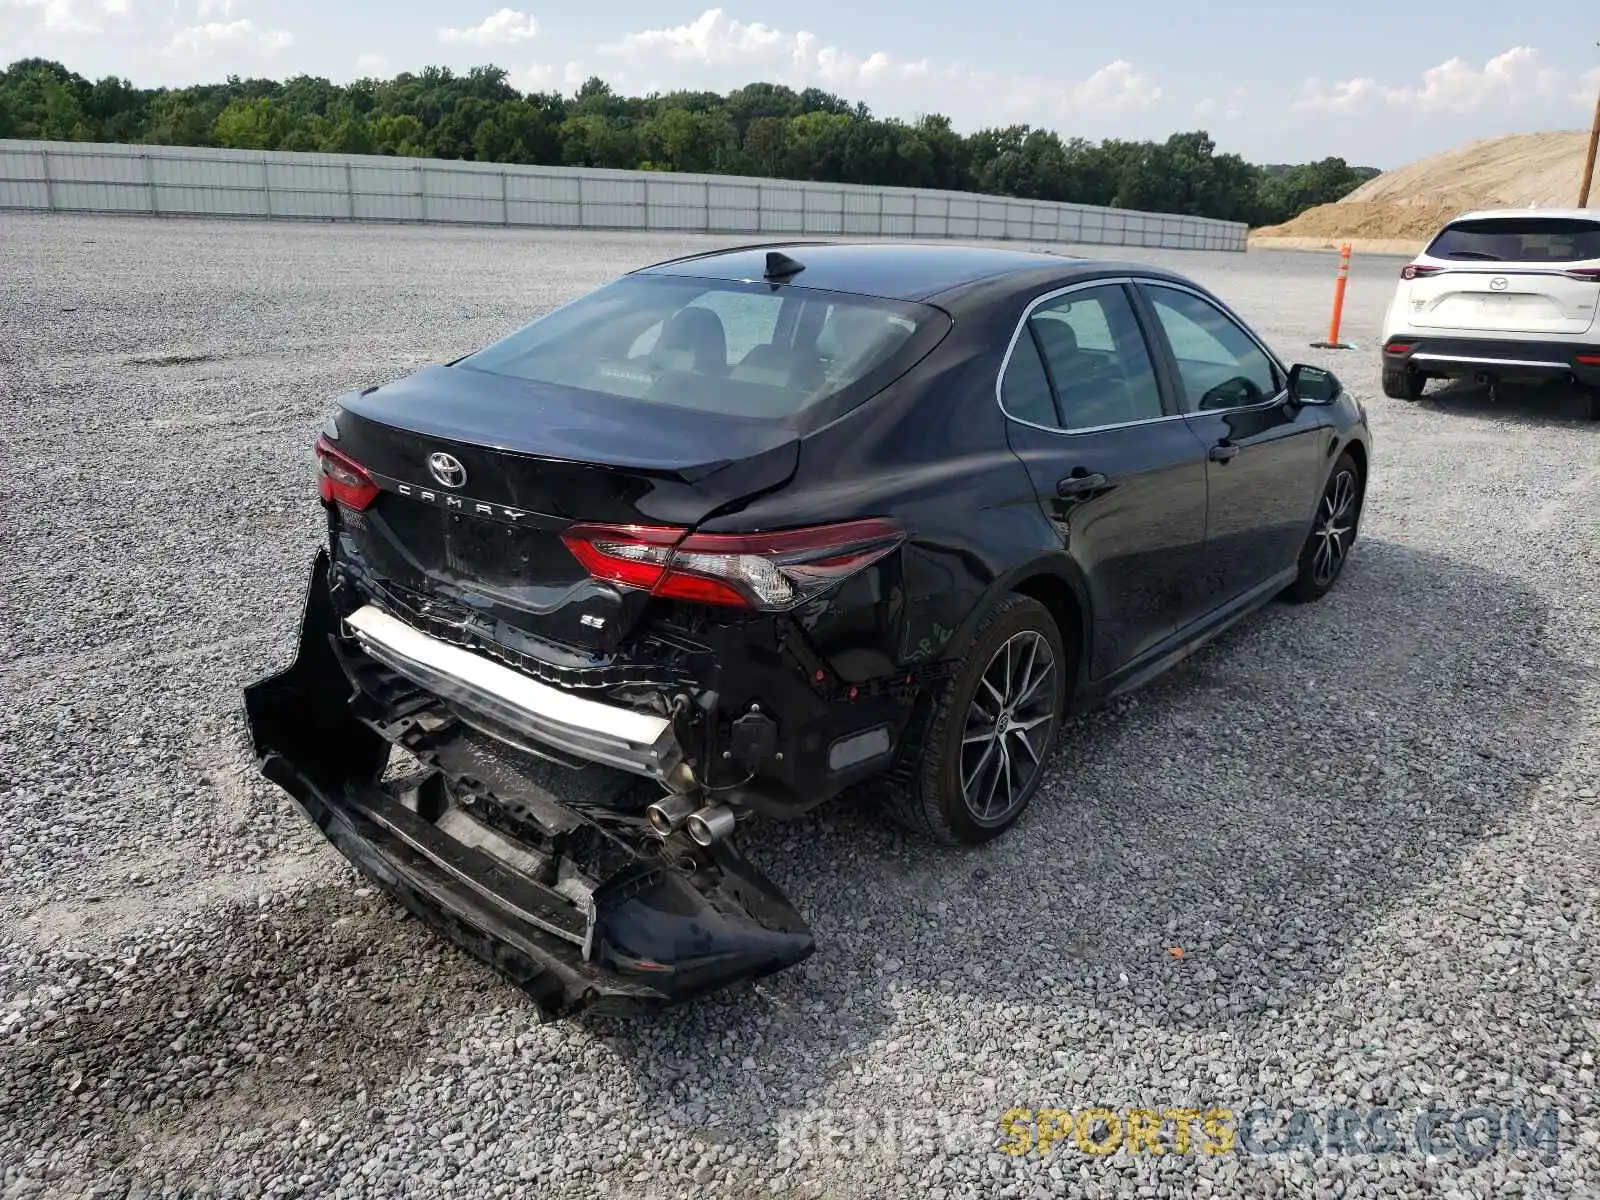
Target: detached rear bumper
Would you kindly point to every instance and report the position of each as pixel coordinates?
(1495, 356)
(649, 935)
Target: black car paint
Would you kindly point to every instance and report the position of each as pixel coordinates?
(1176, 546)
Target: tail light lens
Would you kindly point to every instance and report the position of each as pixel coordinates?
(768, 571)
(1418, 271)
(343, 481)
(1398, 347)
(1586, 274)
(1589, 360)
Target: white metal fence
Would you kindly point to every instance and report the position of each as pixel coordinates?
(197, 181)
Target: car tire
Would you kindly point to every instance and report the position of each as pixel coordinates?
(1333, 533)
(948, 790)
(1404, 384)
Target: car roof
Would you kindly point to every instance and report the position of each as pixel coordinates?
(1507, 214)
(888, 270)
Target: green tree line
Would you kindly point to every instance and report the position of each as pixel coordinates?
(761, 129)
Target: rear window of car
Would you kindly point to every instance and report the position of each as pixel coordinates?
(753, 350)
(1518, 239)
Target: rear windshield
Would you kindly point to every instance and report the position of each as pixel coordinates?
(1519, 239)
(749, 349)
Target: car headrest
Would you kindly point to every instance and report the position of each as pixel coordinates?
(1058, 338)
(693, 340)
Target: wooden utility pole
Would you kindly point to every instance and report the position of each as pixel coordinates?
(1588, 166)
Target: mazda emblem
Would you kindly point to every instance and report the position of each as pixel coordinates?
(447, 469)
(1497, 284)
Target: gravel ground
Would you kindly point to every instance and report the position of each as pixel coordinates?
(1370, 825)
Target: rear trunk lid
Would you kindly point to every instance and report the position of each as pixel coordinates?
(1514, 273)
(480, 474)
(1507, 299)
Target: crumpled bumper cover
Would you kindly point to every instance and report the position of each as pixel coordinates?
(650, 938)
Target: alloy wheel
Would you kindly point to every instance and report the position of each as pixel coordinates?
(1335, 528)
(1008, 727)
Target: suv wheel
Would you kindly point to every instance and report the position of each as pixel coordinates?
(991, 729)
(1404, 384)
(1333, 532)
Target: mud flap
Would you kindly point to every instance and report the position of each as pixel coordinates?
(652, 937)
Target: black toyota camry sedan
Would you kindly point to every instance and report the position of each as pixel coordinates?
(737, 531)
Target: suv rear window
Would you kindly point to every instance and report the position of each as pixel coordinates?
(718, 346)
(1519, 239)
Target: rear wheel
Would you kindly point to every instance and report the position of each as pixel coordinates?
(990, 731)
(1403, 384)
(1333, 532)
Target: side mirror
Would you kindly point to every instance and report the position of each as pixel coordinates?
(1313, 385)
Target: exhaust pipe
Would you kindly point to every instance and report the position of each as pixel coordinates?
(711, 824)
(667, 815)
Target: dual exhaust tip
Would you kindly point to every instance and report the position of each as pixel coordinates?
(706, 825)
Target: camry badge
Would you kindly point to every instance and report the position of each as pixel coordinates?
(447, 469)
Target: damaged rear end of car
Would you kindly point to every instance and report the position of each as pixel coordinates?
(534, 697)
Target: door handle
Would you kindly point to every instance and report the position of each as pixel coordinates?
(1223, 452)
(1080, 484)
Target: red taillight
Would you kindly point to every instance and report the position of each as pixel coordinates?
(343, 480)
(1398, 348)
(1589, 360)
(1418, 271)
(1586, 274)
(633, 555)
(772, 571)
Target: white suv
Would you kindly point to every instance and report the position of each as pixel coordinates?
(1503, 294)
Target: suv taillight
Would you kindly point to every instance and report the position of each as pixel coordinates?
(1418, 271)
(343, 480)
(769, 571)
(1587, 274)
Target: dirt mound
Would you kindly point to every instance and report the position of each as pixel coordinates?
(1370, 220)
(1520, 170)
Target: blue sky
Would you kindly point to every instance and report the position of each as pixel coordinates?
(1378, 83)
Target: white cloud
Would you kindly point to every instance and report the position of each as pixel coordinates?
(533, 79)
(1588, 87)
(542, 77)
(1115, 88)
(1518, 78)
(717, 40)
(372, 66)
(67, 16)
(197, 41)
(505, 27)
(714, 38)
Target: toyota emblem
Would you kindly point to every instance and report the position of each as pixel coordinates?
(1497, 284)
(447, 469)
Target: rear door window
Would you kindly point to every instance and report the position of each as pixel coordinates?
(1518, 240)
(1084, 350)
